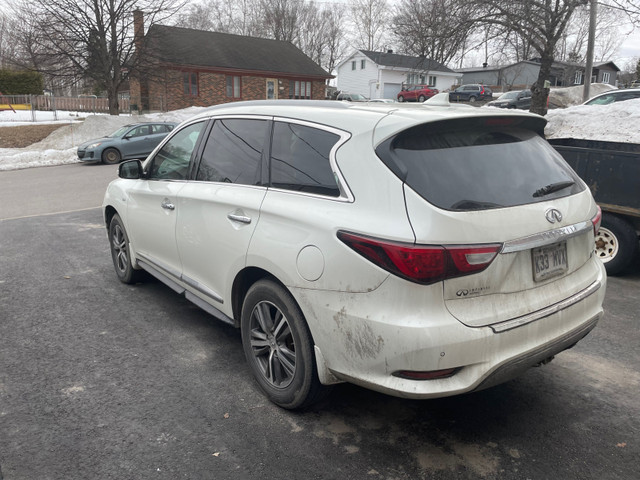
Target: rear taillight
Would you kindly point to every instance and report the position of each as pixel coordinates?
(597, 220)
(424, 264)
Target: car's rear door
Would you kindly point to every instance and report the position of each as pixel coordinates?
(219, 209)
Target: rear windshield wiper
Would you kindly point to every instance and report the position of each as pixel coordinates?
(553, 187)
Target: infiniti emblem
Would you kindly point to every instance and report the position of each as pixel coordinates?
(553, 215)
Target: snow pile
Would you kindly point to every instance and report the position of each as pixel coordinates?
(60, 147)
(615, 122)
(567, 96)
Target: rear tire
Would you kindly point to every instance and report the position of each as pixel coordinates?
(472, 99)
(421, 98)
(616, 244)
(278, 346)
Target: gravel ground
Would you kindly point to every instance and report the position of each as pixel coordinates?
(25, 135)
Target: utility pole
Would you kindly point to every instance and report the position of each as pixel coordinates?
(590, 45)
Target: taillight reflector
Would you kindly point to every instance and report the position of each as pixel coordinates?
(424, 264)
(597, 220)
(430, 375)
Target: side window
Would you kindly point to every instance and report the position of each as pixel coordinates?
(300, 159)
(172, 161)
(233, 152)
(159, 129)
(140, 131)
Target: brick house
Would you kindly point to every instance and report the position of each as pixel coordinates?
(183, 67)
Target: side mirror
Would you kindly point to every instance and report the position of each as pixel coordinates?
(130, 170)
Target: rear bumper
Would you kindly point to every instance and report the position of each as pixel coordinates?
(366, 338)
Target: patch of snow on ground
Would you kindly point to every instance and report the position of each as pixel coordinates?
(568, 96)
(616, 122)
(60, 147)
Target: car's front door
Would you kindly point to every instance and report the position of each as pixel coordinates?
(151, 205)
(219, 210)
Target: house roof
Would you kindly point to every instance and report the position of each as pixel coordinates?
(198, 48)
(405, 61)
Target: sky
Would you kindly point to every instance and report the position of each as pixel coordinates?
(615, 122)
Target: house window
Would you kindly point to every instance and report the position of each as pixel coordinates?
(190, 82)
(363, 63)
(606, 77)
(353, 65)
(578, 78)
(298, 89)
(432, 81)
(233, 86)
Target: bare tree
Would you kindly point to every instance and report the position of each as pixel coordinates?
(437, 29)
(92, 39)
(542, 23)
(370, 20)
(573, 43)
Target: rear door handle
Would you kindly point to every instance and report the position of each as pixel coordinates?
(239, 218)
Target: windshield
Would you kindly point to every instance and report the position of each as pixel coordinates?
(120, 132)
(476, 167)
(358, 98)
(509, 95)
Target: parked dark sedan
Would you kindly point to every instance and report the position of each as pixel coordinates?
(128, 142)
(515, 99)
(470, 93)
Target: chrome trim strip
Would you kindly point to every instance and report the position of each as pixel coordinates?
(202, 289)
(210, 309)
(171, 271)
(162, 277)
(546, 238)
(548, 311)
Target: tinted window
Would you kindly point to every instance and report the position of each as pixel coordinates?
(300, 159)
(479, 168)
(140, 131)
(233, 152)
(172, 161)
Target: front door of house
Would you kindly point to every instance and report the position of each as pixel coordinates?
(272, 89)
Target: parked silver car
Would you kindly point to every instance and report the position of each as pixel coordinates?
(131, 141)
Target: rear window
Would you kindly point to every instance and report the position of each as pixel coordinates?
(478, 167)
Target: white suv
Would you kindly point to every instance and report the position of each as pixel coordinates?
(419, 250)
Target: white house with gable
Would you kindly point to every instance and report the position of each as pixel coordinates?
(381, 75)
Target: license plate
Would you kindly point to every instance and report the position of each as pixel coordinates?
(549, 261)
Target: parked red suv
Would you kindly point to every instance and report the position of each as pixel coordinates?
(416, 93)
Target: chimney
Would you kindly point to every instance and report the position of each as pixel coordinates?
(138, 29)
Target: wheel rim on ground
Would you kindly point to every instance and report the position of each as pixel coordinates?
(119, 243)
(272, 344)
(606, 245)
(401, 98)
(111, 156)
(472, 99)
(421, 99)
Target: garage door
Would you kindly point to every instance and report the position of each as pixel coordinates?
(391, 90)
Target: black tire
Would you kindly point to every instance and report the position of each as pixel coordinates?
(278, 346)
(111, 156)
(119, 246)
(401, 98)
(472, 99)
(422, 98)
(616, 243)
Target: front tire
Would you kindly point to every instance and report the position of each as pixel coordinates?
(616, 244)
(111, 156)
(422, 98)
(401, 98)
(278, 346)
(120, 252)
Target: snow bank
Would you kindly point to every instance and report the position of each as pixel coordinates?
(616, 122)
(568, 96)
(60, 147)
